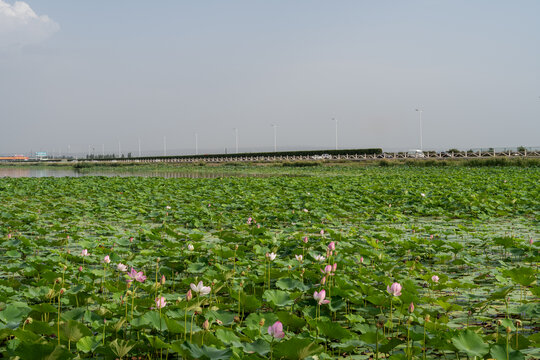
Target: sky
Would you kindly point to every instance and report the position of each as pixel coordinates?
(80, 76)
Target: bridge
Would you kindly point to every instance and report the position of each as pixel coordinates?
(426, 155)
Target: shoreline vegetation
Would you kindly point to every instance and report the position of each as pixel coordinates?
(280, 166)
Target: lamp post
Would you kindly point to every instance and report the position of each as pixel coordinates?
(334, 119)
(421, 140)
(196, 144)
(236, 138)
(275, 136)
(164, 146)
(139, 147)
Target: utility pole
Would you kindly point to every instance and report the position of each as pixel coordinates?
(196, 144)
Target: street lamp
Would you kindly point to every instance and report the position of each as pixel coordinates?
(421, 142)
(334, 119)
(236, 137)
(275, 136)
(196, 144)
(164, 146)
(139, 147)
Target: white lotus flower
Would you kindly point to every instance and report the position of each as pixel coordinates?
(200, 288)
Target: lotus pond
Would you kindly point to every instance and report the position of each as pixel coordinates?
(375, 263)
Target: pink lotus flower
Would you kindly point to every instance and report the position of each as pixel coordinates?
(322, 232)
(189, 295)
(276, 330)
(332, 246)
(435, 278)
(121, 267)
(162, 279)
(305, 240)
(319, 297)
(200, 288)
(394, 289)
(160, 302)
(137, 276)
(531, 241)
(323, 280)
(85, 253)
(327, 269)
(249, 220)
(107, 259)
(80, 268)
(361, 259)
(334, 267)
(299, 257)
(9, 236)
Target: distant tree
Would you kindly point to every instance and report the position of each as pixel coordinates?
(521, 149)
(453, 150)
(129, 155)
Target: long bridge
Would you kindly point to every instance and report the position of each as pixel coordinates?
(343, 155)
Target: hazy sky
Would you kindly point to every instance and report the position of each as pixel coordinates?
(87, 73)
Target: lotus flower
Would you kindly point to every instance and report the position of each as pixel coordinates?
(200, 288)
(435, 278)
(394, 289)
(332, 246)
(191, 247)
(276, 330)
(322, 232)
(107, 259)
(299, 257)
(334, 267)
(320, 258)
(138, 276)
(160, 302)
(305, 240)
(271, 256)
(319, 297)
(249, 220)
(361, 259)
(85, 253)
(411, 308)
(162, 279)
(121, 267)
(531, 241)
(189, 295)
(327, 269)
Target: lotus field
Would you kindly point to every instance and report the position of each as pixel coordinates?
(372, 263)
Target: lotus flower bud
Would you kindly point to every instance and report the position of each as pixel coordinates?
(518, 322)
(80, 268)
(189, 295)
(411, 307)
(261, 323)
(62, 290)
(162, 279)
(499, 322)
(508, 330)
(427, 318)
(28, 320)
(219, 322)
(206, 325)
(237, 319)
